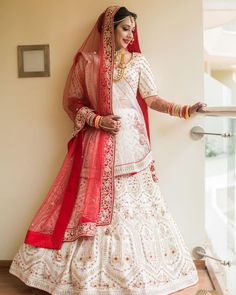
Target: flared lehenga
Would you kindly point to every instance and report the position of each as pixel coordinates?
(140, 252)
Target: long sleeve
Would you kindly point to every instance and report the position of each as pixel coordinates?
(75, 101)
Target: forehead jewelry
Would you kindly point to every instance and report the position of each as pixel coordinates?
(118, 21)
(131, 19)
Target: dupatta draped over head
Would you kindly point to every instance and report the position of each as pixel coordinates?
(82, 195)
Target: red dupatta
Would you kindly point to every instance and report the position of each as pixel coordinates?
(82, 195)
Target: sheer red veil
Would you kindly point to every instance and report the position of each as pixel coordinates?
(82, 195)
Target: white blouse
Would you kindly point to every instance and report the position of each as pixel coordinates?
(133, 152)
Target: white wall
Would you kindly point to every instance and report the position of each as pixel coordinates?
(177, 59)
(35, 130)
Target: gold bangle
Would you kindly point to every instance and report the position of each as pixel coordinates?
(187, 112)
(176, 110)
(99, 122)
(96, 123)
(179, 111)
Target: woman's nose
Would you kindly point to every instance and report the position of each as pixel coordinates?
(131, 34)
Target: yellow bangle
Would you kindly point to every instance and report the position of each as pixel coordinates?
(97, 121)
(176, 110)
(187, 113)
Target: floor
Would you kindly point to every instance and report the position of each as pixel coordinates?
(10, 285)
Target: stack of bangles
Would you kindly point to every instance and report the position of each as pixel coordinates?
(178, 110)
(94, 120)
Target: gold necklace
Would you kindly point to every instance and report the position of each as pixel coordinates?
(119, 64)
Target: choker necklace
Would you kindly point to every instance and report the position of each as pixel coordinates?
(119, 64)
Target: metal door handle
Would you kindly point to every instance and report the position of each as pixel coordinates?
(198, 132)
(200, 252)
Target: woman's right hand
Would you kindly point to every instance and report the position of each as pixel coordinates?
(111, 123)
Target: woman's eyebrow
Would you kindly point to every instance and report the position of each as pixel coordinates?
(128, 26)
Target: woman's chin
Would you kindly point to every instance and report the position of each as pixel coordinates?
(123, 46)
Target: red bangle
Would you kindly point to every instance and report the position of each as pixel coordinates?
(183, 110)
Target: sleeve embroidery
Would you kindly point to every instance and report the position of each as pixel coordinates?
(147, 86)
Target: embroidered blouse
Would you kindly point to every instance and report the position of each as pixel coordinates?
(133, 152)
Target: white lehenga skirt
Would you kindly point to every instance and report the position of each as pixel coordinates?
(140, 253)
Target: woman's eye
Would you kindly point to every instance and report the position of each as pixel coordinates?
(125, 29)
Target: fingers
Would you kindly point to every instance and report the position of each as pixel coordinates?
(114, 125)
(116, 118)
(111, 123)
(117, 125)
(197, 107)
(202, 104)
(110, 130)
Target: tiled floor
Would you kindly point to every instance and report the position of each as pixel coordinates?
(10, 285)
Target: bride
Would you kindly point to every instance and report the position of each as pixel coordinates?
(104, 227)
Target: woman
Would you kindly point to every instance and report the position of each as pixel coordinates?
(103, 227)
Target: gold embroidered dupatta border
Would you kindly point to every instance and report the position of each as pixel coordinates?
(106, 74)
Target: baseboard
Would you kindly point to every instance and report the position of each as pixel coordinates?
(200, 264)
(5, 263)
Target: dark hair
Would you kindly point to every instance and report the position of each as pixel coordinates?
(121, 13)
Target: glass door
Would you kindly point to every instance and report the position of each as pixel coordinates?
(220, 221)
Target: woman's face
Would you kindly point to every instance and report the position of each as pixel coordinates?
(124, 32)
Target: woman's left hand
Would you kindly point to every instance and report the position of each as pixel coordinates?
(196, 107)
